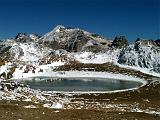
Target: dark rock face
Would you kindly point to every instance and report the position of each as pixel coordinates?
(126, 57)
(158, 42)
(93, 48)
(52, 44)
(76, 41)
(71, 40)
(119, 42)
(24, 37)
(156, 69)
(146, 42)
(4, 51)
(11, 85)
(143, 53)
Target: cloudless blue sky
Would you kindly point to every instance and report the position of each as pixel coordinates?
(132, 18)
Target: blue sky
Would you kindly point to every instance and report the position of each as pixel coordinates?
(132, 18)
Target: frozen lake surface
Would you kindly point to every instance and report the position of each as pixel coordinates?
(80, 84)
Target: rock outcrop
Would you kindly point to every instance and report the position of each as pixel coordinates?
(119, 42)
(142, 53)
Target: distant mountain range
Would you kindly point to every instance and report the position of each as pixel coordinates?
(68, 44)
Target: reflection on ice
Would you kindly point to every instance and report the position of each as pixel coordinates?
(80, 84)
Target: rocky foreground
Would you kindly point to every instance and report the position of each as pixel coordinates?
(140, 104)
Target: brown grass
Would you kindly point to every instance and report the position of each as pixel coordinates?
(2, 62)
(108, 67)
(14, 110)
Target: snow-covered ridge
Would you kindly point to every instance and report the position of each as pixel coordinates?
(140, 55)
(28, 51)
(62, 45)
(51, 36)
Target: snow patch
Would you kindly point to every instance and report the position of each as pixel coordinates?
(95, 58)
(57, 105)
(30, 106)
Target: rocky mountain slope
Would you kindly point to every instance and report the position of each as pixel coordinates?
(32, 53)
(143, 53)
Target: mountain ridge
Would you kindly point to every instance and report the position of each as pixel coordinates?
(63, 45)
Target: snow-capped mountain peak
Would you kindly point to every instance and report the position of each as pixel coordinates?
(52, 35)
(62, 45)
(57, 28)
